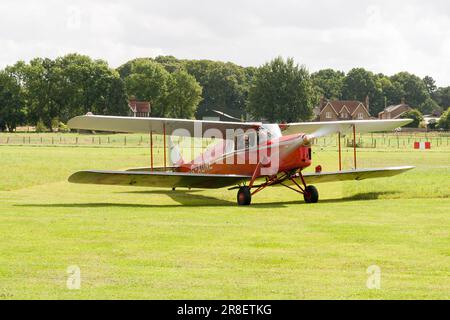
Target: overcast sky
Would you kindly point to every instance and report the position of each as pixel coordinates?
(383, 36)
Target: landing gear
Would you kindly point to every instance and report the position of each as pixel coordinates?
(244, 196)
(309, 192)
(311, 195)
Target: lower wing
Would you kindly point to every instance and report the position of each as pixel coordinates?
(157, 179)
(164, 179)
(358, 174)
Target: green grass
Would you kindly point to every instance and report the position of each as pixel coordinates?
(149, 243)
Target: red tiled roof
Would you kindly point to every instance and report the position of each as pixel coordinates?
(339, 104)
(139, 106)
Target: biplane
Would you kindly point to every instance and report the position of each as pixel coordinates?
(248, 156)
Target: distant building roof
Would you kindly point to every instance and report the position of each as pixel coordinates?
(338, 105)
(395, 107)
(139, 106)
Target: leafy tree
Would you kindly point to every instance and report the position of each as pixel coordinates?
(184, 95)
(225, 86)
(392, 92)
(90, 86)
(414, 114)
(415, 90)
(148, 80)
(67, 86)
(430, 84)
(444, 120)
(42, 80)
(281, 91)
(170, 63)
(328, 83)
(11, 102)
(442, 96)
(116, 98)
(360, 83)
(429, 106)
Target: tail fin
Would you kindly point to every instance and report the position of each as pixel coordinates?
(175, 156)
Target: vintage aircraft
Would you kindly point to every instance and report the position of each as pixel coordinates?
(249, 157)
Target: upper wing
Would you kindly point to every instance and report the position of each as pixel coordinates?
(157, 179)
(155, 125)
(330, 127)
(358, 174)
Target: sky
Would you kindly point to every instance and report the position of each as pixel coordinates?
(379, 35)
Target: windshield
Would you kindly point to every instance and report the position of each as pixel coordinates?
(273, 130)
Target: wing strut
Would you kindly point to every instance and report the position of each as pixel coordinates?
(151, 149)
(164, 133)
(339, 150)
(354, 146)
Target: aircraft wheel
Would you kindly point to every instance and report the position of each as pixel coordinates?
(244, 196)
(311, 194)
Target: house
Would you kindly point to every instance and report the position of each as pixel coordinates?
(139, 108)
(342, 110)
(394, 111)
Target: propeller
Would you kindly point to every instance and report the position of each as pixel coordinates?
(324, 131)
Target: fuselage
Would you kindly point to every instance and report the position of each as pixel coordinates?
(279, 154)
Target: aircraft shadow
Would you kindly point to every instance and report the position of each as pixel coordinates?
(188, 199)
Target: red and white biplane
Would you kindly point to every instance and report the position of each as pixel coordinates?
(249, 157)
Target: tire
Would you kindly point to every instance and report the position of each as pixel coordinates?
(311, 194)
(244, 196)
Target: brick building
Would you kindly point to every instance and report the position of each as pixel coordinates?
(394, 111)
(139, 108)
(342, 110)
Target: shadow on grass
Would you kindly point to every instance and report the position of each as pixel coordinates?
(355, 197)
(184, 198)
(188, 199)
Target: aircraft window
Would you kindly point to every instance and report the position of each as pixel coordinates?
(273, 130)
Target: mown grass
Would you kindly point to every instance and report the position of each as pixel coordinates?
(150, 243)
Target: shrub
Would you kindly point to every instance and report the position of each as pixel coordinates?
(62, 127)
(444, 121)
(414, 114)
(40, 126)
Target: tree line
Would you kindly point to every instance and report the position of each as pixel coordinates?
(47, 92)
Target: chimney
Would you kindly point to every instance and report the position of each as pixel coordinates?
(403, 101)
(367, 103)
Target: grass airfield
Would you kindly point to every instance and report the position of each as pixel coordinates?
(134, 243)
